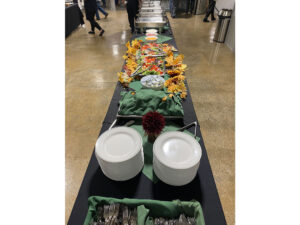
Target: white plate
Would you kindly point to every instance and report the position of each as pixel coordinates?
(119, 153)
(118, 144)
(177, 150)
(176, 158)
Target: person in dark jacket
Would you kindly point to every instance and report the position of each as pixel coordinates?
(90, 7)
(132, 7)
(210, 11)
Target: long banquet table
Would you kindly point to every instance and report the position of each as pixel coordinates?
(72, 19)
(202, 188)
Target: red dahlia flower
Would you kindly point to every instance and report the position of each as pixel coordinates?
(153, 123)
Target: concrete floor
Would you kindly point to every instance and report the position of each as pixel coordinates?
(92, 64)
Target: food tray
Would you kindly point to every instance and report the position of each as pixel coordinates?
(150, 22)
(151, 14)
(148, 209)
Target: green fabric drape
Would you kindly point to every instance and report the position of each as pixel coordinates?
(149, 209)
(146, 100)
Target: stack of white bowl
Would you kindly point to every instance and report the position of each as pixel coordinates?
(151, 33)
(119, 152)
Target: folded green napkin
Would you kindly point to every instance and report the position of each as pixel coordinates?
(148, 148)
(148, 209)
(146, 100)
(160, 38)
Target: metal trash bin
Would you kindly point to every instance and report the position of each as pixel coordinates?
(223, 24)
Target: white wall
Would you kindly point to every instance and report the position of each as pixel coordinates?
(230, 37)
(224, 4)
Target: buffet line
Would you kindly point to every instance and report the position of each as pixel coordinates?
(150, 141)
(151, 15)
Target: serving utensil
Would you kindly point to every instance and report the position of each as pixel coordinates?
(133, 74)
(188, 126)
(191, 221)
(106, 214)
(125, 215)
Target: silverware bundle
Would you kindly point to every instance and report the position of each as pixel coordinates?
(115, 214)
(183, 220)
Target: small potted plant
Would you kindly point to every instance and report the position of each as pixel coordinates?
(153, 124)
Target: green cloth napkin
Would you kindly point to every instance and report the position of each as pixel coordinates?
(160, 38)
(148, 148)
(135, 85)
(148, 209)
(146, 100)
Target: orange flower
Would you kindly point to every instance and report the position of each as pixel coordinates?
(183, 94)
(133, 93)
(171, 95)
(164, 98)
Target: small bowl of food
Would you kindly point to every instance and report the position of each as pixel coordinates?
(151, 38)
(151, 34)
(154, 82)
(151, 31)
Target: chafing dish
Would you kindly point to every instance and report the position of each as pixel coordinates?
(151, 10)
(151, 14)
(150, 4)
(150, 22)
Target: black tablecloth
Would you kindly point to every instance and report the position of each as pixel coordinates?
(202, 188)
(72, 19)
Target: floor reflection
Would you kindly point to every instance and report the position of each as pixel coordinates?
(213, 58)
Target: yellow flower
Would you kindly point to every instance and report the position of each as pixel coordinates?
(171, 95)
(183, 95)
(164, 98)
(133, 93)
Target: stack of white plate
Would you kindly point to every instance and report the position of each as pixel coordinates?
(119, 152)
(176, 158)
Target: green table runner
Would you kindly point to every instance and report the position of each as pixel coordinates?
(149, 209)
(160, 38)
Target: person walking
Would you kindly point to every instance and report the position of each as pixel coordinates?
(132, 7)
(210, 11)
(90, 11)
(101, 10)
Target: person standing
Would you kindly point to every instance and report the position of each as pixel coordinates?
(90, 11)
(132, 7)
(101, 10)
(210, 11)
(104, 3)
(190, 4)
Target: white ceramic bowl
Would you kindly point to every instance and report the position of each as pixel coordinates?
(148, 77)
(119, 152)
(152, 31)
(151, 34)
(176, 158)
